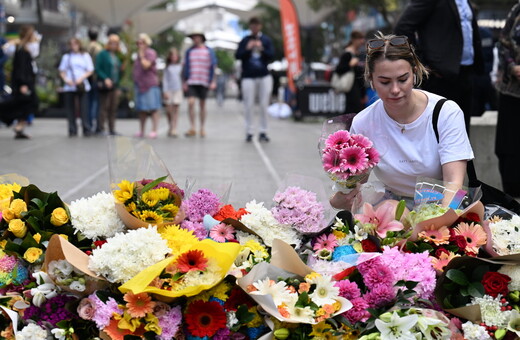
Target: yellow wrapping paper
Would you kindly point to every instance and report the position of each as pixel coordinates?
(223, 253)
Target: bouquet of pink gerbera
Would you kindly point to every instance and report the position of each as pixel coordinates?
(348, 158)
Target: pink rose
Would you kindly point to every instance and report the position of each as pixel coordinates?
(86, 309)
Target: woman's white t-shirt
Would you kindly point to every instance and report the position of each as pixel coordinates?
(411, 150)
(76, 65)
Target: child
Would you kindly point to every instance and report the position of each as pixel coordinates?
(172, 89)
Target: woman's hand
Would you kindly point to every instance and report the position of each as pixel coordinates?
(108, 83)
(344, 201)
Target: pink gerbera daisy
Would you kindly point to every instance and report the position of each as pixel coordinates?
(353, 159)
(331, 161)
(338, 140)
(442, 261)
(435, 235)
(325, 241)
(373, 156)
(474, 234)
(222, 232)
(361, 141)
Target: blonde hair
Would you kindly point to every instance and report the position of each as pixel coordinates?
(145, 38)
(391, 52)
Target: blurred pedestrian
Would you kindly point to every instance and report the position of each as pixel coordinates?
(256, 51)
(199, 70)
(448, 42)
(24, 102)
(220, 91)
(350, 61)
(108, 73)
(172, 89)
(508, 86)
(146, 80)
(94, 47)
(75, 68)
(3, 58)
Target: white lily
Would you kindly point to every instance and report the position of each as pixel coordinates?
(514, 322)
(59, 333)
(432, 328)
(397, 328)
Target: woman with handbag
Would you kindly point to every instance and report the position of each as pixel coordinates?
(108, 72)
(349, 66)
(75, 67)
(401, 125)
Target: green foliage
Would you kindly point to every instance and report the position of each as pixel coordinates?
(226, 61)
(463, 284)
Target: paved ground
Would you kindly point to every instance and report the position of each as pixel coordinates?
(78, 167)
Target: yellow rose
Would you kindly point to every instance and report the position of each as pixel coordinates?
(32, 254)
(3, 243)
(59, 217)
(66, 237)
(8, 214)
(17, 227)
(37, 237)
(18, 206)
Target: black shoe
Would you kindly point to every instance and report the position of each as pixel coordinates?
(263, 137)
(21, 135)
(249, 138)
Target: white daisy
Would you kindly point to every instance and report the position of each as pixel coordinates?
(325, 292)
(277, 290)
(299, 314)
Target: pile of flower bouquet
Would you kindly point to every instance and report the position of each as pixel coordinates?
(150, 261)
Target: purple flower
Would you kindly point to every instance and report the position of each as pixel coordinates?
(170, 323)
(222, 334)
(198, 229)
(348, 290)
(51, 311)
(201, 203)
(104, 311)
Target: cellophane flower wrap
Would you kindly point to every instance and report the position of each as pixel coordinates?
(144, 190)
(198, 268)
(347, 158)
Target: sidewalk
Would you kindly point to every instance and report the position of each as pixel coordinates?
(78, 167)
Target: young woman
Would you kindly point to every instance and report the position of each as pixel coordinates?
(400, 124)
(172, 89)
(147, 92)
(75, 67)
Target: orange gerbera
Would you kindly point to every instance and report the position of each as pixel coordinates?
(474, 234)
(436, 236)
(442, 261)
(116, 333)
(138, 304)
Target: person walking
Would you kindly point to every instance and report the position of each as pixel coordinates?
(172, 89)
(255, 52)
(93, 49)
(23, 79)
(3, 60)
(451, 50)
(75, 68)
(198, 76)
(349, 61)
(146, 80)
(108, 73)
(400, 122)
(508, 86)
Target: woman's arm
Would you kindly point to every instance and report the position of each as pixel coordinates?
(453, 174)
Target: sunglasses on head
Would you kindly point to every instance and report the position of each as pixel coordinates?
(400, 40)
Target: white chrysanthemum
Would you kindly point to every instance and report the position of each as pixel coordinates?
(210, 276)
(277, 290)
(299, 314)
(514, 273)
(490, 311)
(125, 255)
(325, 292)
(325, 267)
(260, 220)
(474, 332)
(96, 216)
(32, 332)
(506, 236)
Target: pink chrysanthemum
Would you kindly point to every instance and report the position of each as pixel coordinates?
(358, 312)
(325, 241)
(353, 159)
(348, 290)
(338, 140)
(331, 161)
(222, 232)
(361, 141)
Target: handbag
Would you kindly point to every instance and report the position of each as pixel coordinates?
(490, 194)
(102, 87)
(344, 82)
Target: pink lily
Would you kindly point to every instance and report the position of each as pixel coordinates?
(382, 219)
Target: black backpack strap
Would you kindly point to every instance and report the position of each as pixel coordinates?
(435, 116)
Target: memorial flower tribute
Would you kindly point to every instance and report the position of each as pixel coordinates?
(199, 268)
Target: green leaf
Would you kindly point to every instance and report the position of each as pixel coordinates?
(243, 315)
(38, 202)
(464, 291)
(478, 273)
(447, 302)
(303, 300)
(411, 284)
(476, 289)
(152, 184)
(457, 276)
(399, 210)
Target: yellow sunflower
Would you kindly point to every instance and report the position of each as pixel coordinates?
(171, 208)
(151, 217)
(150, 198)
(126, 191)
